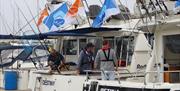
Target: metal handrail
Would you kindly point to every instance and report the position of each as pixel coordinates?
(145, 73)
(117, 72)
(148, 72)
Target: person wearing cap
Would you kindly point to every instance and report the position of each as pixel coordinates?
(86, 59)
(55, 60)
(107, 59)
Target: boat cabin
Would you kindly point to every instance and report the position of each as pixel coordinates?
(131, 47)
(164, 66)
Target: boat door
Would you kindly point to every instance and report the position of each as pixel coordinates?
(172, 58)
(120, 45)
(72, 47)
(124, 49)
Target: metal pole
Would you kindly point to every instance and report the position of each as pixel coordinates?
(127, 55)
(86, 11)
(121, 49)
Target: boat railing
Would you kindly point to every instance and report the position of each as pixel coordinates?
(159, 72)
(132, 74)
(118, 73)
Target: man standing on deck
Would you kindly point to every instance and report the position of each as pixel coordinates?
(55, 60)
(107, 59)
(86, 59)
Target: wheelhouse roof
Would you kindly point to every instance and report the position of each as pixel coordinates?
(72, 32)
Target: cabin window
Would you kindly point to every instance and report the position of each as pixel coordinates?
(82, 44)
(124, 49)
(172, 58)
(97, 42)
(70, 47)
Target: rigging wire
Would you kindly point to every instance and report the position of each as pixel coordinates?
(31, 26)
(35, 24)
(122, 13)
(14, 17)
(126, 12)
(88, 17)
(34, 17)
(4, 21)
(26, 19)
(21, 29)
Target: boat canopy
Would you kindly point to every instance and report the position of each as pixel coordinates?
(21, 47)
(24, 55)
(72, 32)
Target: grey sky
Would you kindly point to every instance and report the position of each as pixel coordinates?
(11, 17)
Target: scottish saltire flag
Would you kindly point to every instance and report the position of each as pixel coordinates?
(177, 6)
(56, 18)
(108, 9)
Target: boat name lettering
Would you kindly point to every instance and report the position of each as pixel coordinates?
(157, 65)
(108, 89)
(48, 82)
(141, 66)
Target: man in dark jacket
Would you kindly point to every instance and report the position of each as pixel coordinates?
(55, 60)
(86, 59)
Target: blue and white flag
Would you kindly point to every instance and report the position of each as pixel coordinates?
(108, 9)
(177, 7)
(177, 4)
(56, 18)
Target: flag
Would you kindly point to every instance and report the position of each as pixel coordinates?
(177, 3)
(108, 9)
(74, 8)
(177, 7)
(44, 13)
(56, 18)
(73, 11)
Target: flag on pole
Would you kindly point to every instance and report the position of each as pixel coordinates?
(177, 4)
(74, 8)
(177, 7)
(44, 13)
(108, 9)
(74, 11)
(56, 18)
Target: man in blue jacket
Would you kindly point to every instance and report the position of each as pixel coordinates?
(86, 59)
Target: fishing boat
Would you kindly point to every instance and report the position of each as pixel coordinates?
(156, 76)
(146, 70)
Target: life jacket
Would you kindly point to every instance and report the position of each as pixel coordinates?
(107, 55)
